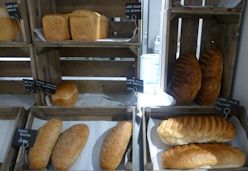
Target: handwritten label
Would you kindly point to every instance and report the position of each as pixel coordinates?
(133, 11)
(227, 106)
(24, 137)
(135, 85)
(13, 10)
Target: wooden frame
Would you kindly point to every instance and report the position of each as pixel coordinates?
(158, 113)
(24, 25)
(89, 113)
(220, 25)
(20, 119)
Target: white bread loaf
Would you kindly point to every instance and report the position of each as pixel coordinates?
(56, 27)
(202, 155)
(196, 129)
(9, 28)
(88, 25)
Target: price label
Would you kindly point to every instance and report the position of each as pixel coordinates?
(135, 85)
(133, 11)
(13, 10)
(45, 86)
(29, 86)
(227, 106)
(24, 137)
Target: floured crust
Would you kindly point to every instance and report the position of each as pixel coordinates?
(69, 146)
(196, 129)
(186, 79)
(115, 145)
(201, 155)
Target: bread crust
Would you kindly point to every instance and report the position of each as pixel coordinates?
(186, 79)
(211, 63)
(66, 94)
(39, 154)
(193, 156)
(69, 146)
(196, 129)
(115, 145)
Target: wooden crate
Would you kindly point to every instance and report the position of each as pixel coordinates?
(19, 115)
(106, 59)
(82, 114)
(109, 8)
(220, 29)
(24, 24)
(159, 113)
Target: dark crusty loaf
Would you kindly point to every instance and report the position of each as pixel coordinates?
(186, 79)
(211, 63)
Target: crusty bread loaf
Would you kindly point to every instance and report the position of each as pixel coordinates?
(97, 25)
(56, 27)
(211, 63)
(186, 79)
(39, 154)
(69, 146)
(201, 155)
(66, 94)
(115, 145)
(196, 129)
(9, 28)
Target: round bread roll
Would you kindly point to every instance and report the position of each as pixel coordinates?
(69, 146)
(66, 94)
(115, 145)
(39, 154)
(203, 155)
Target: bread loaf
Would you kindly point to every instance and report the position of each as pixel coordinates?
(115, 145)
(39, 154)
(66, 94)
(186, 79)
(196, 129)
(9, 28)
(69, 146)
(201, 155)
(211, 63)
(97, 25)
(56, 27)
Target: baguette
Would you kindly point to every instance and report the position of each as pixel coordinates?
(69, 146)
(115, 145)
(39, 154)
(203, 155)
(196, 129)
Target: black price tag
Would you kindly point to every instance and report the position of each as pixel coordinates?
(13, 10)
(133, 11)
(29, 86)
(24, 137)
(45, 86)
(227, 106)
(135, 85)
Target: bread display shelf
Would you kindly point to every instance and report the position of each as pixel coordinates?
(209, 27)
(14, 44)
(18, 117)
(164, 113)
(78, 114)
(112, 44)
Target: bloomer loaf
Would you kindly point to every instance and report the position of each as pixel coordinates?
(196, 129)
(186, 79)
(202, 155)
(211, 63)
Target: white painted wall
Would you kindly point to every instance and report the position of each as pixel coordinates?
(240, 91)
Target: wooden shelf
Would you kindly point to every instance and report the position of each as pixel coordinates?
(205, 11)
(88, 44)
(13, 44)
